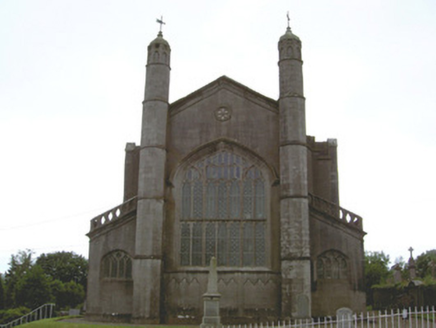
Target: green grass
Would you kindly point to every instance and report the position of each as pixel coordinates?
(58, 323)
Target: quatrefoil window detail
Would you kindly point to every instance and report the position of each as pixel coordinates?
(223, 114)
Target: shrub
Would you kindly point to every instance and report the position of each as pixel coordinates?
(12, 314)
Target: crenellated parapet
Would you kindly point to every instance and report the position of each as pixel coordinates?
(114, 214)
(336, 212)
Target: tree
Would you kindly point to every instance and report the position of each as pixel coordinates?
(19, 265)
(65, 266)
(376, 272)
(71, 295)
(2, 293)
(424, 263)
(33, 289)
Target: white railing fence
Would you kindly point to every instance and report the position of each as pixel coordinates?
(406, 318)
(45, 311)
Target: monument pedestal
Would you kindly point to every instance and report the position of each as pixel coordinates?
(211, 300)
(211, 317)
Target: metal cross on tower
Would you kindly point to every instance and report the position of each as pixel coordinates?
(161, 22)
(287, 15)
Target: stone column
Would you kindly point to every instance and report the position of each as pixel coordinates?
(294, 206)
(147, 268)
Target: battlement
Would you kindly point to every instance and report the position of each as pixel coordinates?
(115, 213)
(335, 211)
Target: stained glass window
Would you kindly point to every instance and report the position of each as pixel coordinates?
(197, 244)
(248, 247)
(211, 200)
(222, 244)
(259, 243)
(223, 212)
(185, 244)
(234, 252)
(186, 201)
(235, 202)
(210, 241)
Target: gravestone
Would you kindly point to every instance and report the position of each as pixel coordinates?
(74, 312)
(344, 317)
(397, 274)
(211, 299)
(303, 306)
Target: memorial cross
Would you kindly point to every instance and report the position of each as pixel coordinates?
(411, 250)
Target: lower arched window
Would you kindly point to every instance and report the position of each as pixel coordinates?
(332, 265)
(117, 265)
(223, 212)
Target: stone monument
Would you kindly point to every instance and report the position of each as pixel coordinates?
(211, 299)
(412, 265)
(397, 274)
(344, 316)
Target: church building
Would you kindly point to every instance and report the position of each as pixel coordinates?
(229, 173)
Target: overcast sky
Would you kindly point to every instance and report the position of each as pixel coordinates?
(72, 80)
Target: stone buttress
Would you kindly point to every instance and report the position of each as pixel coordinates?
(147, 267)
(294, 207)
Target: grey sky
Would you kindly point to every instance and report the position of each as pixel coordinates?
(71, 86)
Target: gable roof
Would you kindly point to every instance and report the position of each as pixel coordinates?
(221, 83)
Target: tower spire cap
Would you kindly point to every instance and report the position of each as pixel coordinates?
(159, 38)
(288, 34)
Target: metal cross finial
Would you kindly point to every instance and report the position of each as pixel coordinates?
(287, 15)
(161, 22)
(411, 250)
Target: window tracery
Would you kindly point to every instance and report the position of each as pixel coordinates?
(332, 265)
(117, 265)
(223, 212)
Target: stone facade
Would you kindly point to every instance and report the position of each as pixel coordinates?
(226, 172)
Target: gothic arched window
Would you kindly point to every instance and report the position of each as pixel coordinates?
(223, 212)
(332, 265)
(117, 265)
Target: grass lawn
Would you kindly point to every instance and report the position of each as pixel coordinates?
(58, 323)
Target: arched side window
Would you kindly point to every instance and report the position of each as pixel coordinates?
(223, 212)
(332, 265)
(117, 265)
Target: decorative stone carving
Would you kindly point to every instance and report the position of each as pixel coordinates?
(223, 114)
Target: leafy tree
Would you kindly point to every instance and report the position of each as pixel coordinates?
(2, 293)
(59, 277)
(65, 266)
(376, 272)
(423, 263)
(19, 265)
(33, 289)
(71, 295)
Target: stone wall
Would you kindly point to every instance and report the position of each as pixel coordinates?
(245, 296)
(110, 299)
(343, 287)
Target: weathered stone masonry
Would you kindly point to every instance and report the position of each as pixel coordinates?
(226, 172)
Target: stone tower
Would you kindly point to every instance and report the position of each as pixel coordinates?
(147, 268)
(294, 206)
